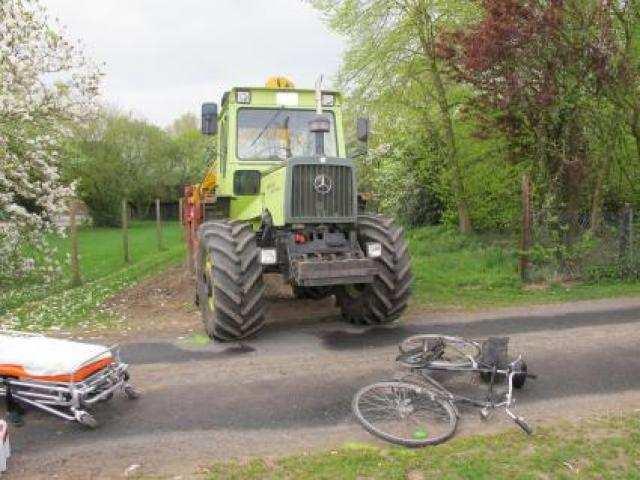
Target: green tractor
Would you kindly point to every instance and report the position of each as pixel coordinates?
(281, 198)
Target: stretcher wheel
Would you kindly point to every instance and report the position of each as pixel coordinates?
(131, 392)
(86, 419)
(16, 418)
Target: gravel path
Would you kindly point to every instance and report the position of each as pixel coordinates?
(290, 389)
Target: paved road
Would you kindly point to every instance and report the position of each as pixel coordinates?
(290, 389)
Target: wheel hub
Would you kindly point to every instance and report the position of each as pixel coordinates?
(405, 408)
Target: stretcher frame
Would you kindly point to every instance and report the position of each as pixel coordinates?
(69, 400)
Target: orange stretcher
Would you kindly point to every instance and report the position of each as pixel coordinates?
(61, 377)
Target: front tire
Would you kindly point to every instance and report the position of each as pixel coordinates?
(404, 413)
(230, 288)
(386, 298)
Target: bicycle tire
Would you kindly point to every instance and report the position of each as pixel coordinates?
(460, 350)
(406, 399)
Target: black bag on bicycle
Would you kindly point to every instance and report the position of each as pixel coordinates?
(494, 354)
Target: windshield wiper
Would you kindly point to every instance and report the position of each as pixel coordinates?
(266, 127)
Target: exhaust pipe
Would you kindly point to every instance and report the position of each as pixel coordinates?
(319, 125)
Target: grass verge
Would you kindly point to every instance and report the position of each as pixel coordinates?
(55, 305)
(452, 270)
(604, 448)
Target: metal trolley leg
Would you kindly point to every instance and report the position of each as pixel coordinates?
(15, 412)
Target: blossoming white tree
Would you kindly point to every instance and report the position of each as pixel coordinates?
(46, 86)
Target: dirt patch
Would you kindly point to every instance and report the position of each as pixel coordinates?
(161, 306)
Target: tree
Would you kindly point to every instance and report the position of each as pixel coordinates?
(193, 151)
(118, 156)
(625, 93)
(392, 55)
(46, 86)
(541, 69)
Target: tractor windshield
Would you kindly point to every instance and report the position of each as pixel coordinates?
(279, 133)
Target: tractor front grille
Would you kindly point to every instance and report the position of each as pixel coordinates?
(310, 202)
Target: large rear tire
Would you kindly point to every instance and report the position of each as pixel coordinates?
(386, 298)
(230, 288)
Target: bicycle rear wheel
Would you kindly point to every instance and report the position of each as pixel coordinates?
(404, 413)
(438, 351)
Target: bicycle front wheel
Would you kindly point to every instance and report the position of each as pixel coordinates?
(404, 413)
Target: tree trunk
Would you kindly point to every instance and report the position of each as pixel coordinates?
(572, 186)
(76, 279)
(527, 234)
(427, 42)
(464, 221)
(573, 176)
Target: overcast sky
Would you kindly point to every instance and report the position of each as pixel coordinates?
(165, 57)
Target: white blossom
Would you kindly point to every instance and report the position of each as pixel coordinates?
(46, 86)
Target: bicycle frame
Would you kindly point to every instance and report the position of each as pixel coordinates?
(454, 398)
(477, 367)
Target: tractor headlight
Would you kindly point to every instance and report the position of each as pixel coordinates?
(243, 97)
(374, 250)
(328, 100)
(268, 256)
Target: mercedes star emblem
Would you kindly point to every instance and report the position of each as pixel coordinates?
(322, 184)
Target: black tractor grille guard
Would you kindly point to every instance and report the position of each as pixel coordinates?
(322, 192)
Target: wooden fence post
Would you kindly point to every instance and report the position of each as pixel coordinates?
(626, 229)
(159, 225)
(125, 230)
(180, 219)
(527, 237)
(76, 279)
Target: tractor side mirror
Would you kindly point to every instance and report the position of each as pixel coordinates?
(362, 129)
(209, 118)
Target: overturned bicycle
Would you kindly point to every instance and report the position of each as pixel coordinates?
(420, 410)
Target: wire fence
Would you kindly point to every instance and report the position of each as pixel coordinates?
(126, 215)
(584, 246)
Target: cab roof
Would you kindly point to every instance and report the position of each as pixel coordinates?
(262, 96)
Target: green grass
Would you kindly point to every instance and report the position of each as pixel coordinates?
(452, 270)
(604, 448)
(38, 305)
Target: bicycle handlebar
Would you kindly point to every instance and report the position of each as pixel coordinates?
(523, 425)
